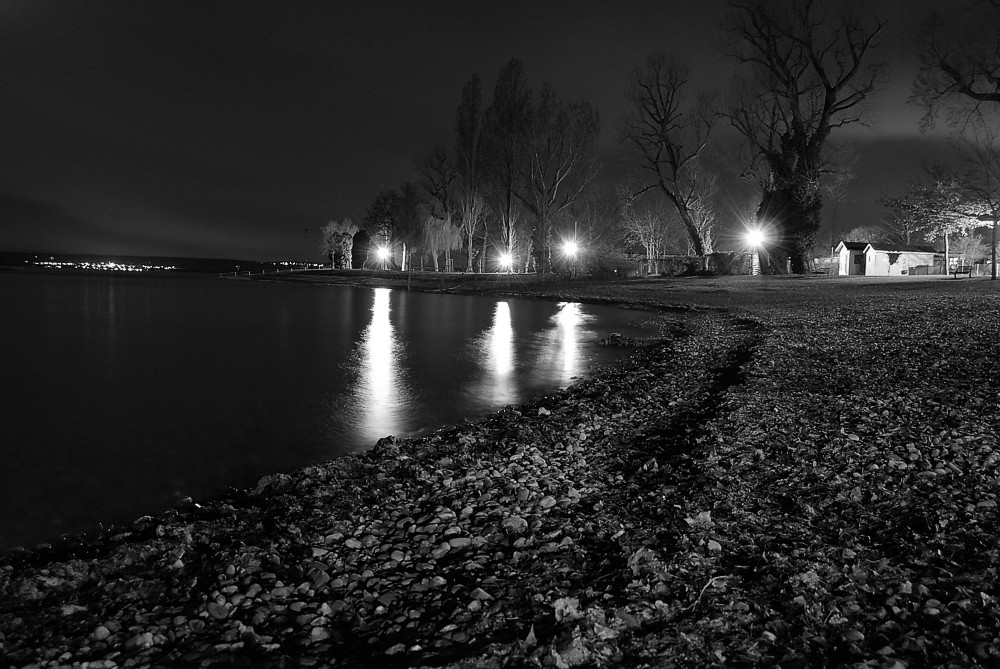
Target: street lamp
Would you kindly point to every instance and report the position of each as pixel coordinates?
(506, 261)
(383, 256)
(570, 250)
(755, 238)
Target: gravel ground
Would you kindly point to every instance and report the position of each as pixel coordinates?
(797, 473)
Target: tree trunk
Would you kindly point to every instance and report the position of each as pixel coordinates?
(791, 230)
(693, 232)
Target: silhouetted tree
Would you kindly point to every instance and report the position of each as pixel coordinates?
(469, 167)
(338, 242)
(671, 132)
(504, 147)
(559, 162)
(807, 72)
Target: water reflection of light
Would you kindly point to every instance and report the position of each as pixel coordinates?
(380, 393)
(501, 342)
(569, 319)
(497, 387)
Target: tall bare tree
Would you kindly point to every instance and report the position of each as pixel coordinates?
(469, 165)
(437, 180)
(807, 71)
(504, 141)
(560, 161)
(671, 132)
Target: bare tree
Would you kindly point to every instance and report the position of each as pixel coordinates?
(981, 149)
(437, 180)
(671, 132)
(901, 220)
(559, 162)
(504, 141)
(648, 225)
(806, 73)
(469, 166)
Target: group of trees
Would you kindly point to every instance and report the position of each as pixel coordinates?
(501, 187)
(521, 172)
(960, 67)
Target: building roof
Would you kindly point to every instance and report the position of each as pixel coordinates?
(888, 247)
(903, 248)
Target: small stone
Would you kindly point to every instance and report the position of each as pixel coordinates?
(318, 578)
(217, 610)
(515, 525)
(142, 640)
(319, 634)
(480, 594)
(547, 502)
(854, 635)
(101, 633)
(459, 542)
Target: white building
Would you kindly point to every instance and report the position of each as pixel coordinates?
(883, 259)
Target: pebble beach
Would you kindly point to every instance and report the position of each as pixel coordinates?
(794, 472)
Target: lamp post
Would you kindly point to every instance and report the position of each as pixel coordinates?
(755, 237)
(570, 250)
(383, 256)
(506, 262)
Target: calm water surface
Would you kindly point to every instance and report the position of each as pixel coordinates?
(119, 396)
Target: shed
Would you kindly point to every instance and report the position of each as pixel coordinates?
(884, 259)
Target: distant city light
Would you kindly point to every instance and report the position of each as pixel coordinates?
(105, 266)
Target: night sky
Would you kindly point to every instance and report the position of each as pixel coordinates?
(227, 129)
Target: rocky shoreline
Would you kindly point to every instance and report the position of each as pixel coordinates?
(804, 479)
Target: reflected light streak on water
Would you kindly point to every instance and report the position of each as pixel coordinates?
(570, 319)
(499, 344)
(380, 396)
(502, 341)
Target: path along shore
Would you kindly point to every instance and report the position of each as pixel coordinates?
(801, 472)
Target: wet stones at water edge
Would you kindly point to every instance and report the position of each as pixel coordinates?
(621, 341)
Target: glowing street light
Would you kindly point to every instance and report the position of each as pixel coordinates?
(383, 254)
(506, 261)
(570, 250)
(756, 239)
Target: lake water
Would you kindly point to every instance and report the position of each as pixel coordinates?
(119, 396)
